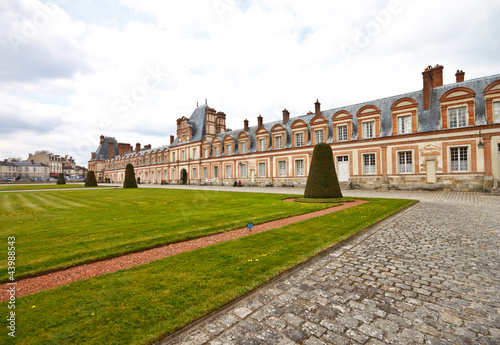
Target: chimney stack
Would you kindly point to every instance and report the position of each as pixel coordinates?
(92, 155)
(111, 150)
(101, 139)
(460, 76)
(137, 147)
(433, 77)
(317, 108)
(245, 125)
(172, 138)
(259, 121)
(286, 116)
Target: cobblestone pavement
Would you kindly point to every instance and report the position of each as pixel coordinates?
(429, 275)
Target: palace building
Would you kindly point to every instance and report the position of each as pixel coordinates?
(440, 137)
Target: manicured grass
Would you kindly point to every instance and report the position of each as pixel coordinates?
(60, 229)
(141, 304)
(41, 186)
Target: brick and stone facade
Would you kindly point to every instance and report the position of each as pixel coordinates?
(441, 137)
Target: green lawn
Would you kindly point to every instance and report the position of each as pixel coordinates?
(60, 229)
(144, 303)
(41, 186)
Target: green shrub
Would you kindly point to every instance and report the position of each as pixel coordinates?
(322, 181)
(129, 181)
(60, 179)
(91, 181)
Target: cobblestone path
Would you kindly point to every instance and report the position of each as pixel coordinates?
(429, 275)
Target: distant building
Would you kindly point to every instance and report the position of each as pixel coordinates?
(54, 162)
(24, 170)
(440, 137)
(7, 170)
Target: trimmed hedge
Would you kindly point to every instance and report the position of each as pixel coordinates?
(322, 181)
(60, 179)
(91, 181)
(129, 181)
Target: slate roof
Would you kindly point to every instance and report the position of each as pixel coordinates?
(101, 154)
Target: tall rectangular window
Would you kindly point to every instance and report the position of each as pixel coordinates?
(205, 172)
(369, 164)
(216, 171)
(262, 169)
(194, 153)
(404, 124)
(459, 159)
(173, 174)
(183, 155)
(243, 147)
(457, 117)
(405, 162)
(299, 167)
(318, 136)
(278, 142)
(205, 153)
(342, 133)
(216, 151)
(173, 156)
(282, 168)
(228, 149)
(496, 112)
(368, 129)
(262, 144)
(243, 170)
(195, 173)
(299, 139)
(228, 171)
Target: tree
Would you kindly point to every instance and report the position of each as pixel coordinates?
(14, 159)
(43, 152)
(322, 181)
(91, 181)
(129, 181)
(60, 179)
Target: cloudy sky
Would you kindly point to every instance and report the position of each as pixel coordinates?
(71, 70)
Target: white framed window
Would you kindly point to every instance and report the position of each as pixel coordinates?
(228, 149)
(173, 174)
(318, 136)
(216, 151)
(262, 144)
(299, 167)
(282, 168)
(458, 159)
(369, 164)
(342, 133)
(299, 139)
(457, 117)
(228, 171)
(216, 171)
(368, 129)
(496, 112)
(194, 153)
(405, 163)
(205, 172)
(404, 124)
(278, 142)
(195, 173)
(166, 174)
(205, 153)
(243, 147)
(173, 156)
(183, 155)
(262, 169)
(243, 170)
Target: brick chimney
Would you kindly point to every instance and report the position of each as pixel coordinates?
(220, 122)
(172, 138)
(317, 108)
(286, 116)
(137, 147)
(259, 121)
(147, 147)
(433, 77)
(460, 75)
(245, 125)
(101, 139)
(111, 149)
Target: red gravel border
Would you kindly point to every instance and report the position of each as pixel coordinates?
(31, 285)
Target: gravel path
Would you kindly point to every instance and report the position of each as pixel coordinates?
(48, 281)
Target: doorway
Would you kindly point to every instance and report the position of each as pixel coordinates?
(343, 172)
(184, 176)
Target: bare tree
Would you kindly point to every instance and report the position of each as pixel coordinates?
(14, 159)
(43, 152)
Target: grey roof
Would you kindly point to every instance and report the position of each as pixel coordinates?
(101, 154)
(197, 122)
(27, 163)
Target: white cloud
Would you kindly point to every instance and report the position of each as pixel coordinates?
(87, 71)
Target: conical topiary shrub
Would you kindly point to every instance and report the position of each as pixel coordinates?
(322, 181)
(129, 181)
(91, 181)
(60, 179)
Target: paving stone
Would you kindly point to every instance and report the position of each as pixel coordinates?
(427, 275)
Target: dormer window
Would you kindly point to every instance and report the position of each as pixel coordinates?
(368, 129)
(278, 143)
(404, 124)
(457, 117)
(262, 144)
(243, 147)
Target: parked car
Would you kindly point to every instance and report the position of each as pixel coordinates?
(7, 179)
